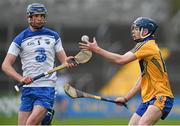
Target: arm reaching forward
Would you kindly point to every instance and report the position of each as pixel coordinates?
(113, 57)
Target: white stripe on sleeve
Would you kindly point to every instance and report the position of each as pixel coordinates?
(58, 46)
(14, 49)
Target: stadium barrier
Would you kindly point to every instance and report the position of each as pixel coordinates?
(93, 108)
(87, 108)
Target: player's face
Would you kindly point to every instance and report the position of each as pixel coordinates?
(37, 21)
(135, 33)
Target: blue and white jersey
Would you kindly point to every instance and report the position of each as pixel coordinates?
(37, 52)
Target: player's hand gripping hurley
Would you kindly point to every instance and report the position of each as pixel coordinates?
(74, 93)
(82, 57)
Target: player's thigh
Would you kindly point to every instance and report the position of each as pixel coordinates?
(151, 116)
(134, 119)
(37, 115)
(22, 117)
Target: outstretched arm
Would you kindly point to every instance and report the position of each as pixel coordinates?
(113, 57)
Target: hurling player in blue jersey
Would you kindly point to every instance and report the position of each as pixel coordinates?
(37, 47)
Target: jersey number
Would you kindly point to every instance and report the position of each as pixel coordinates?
(41, 57)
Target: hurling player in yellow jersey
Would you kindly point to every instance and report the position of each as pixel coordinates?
(157, 97)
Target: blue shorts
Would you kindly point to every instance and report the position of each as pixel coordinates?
(164, 103)
(31, 96)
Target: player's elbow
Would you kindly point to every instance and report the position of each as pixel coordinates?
(120, 61)
(4, 67)
(126, 58)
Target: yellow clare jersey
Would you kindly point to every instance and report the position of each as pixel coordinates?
(155, 80)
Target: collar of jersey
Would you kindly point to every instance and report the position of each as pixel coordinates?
(147, 39)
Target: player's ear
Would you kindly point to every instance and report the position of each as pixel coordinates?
(28, 19)
(145, 31)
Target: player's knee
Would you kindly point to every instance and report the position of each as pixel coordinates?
(31, 121)
(143, 121)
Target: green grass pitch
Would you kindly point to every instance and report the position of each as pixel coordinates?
(87, 121)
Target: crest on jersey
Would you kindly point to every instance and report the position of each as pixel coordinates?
(47, 41)
(30, 43)
(161, 98)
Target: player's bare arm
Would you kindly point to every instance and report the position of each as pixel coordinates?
(113, 57)
(9, 70)
(131, 93)
(62, 57)
(134, 90)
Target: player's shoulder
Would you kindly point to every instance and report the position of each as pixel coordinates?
(20, 37)
(149, 44)
(51, 32)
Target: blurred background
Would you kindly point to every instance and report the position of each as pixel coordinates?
(109, 21)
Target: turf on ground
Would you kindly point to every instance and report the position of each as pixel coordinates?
(87, 121)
